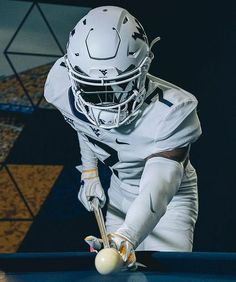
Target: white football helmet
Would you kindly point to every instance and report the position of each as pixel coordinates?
(108, 57)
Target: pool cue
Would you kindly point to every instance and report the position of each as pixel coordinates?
(100, 221)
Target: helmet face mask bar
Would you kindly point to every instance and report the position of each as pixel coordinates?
(107, 95)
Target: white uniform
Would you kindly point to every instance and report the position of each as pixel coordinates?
(167, 120)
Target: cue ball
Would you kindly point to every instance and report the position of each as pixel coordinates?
(108, 261)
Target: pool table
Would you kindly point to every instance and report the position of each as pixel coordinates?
(79, 266)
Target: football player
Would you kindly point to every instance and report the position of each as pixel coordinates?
(137, 124)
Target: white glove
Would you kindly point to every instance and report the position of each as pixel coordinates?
(91, 188)
(95, 244)
(125, 248)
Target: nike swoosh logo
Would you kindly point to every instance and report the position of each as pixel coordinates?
(119, 142)
(151, 204)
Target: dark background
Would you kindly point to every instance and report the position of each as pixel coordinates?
(197, 53)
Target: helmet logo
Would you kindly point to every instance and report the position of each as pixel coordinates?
(104, 72)
(141, 33)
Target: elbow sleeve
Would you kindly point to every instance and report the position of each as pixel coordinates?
(160, 181)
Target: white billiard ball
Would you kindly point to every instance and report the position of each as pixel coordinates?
(108, 261)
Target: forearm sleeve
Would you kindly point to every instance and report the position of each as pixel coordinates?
(88, 158)
(160, 180)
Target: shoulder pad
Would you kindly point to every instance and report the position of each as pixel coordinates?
(57, 81)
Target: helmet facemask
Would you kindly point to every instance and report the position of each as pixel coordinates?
(109, 103)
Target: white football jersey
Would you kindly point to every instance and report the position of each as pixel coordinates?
(167, 120)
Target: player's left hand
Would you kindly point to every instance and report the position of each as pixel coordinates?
(94, 243)
(91, 188)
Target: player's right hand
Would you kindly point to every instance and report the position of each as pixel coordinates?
(91, 188)
(125, 248)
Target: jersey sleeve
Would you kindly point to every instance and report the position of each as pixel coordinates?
(88, 158)
(180, 127)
